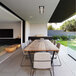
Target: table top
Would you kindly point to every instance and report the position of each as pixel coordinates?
(41, 45)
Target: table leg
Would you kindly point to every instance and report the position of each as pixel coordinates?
(31, 60)
(52, 57)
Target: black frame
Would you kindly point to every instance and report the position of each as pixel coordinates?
(23, 31)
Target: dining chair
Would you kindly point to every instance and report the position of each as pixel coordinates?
(42, 61)
(28, 42)
(57, 56)
(54, 42)
(25, 54)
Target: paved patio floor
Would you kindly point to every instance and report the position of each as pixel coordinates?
(11, 67)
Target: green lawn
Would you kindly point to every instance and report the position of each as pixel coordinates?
(63, 42)
(71, 44)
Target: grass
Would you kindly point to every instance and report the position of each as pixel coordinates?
(70, 43)
(63, 42)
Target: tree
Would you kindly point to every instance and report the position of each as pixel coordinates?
(69, 25)
(50, 27)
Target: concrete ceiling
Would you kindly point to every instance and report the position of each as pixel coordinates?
(6, 16)
(29, 9)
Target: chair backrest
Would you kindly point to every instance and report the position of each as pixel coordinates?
(28, 42)
(42, 56)
(58, 45)
(23, 45)
(54, 42)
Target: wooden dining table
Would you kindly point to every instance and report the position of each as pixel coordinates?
(41, 45)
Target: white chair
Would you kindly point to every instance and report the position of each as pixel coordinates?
(42, 61)
(28, 42)
(25, 54)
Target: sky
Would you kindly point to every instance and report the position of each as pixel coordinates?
(57, 25)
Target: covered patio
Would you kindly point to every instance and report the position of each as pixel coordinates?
(34, 24)
(12, 67)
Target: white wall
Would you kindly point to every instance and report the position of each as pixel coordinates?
(16, 26)
(36, 29)
(27, 30)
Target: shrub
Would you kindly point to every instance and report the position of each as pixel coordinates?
(72, 37)
(64, 37)
(56, 37)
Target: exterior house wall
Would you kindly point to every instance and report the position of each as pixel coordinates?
(38, 29)
(34, 29)
(16, 26)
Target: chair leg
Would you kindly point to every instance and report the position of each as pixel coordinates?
(24, 57)
(22, 61)
(59, 61)
(52, 69)
(32, 72)
(50, 72)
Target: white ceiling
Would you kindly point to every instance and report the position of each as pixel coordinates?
(29, 9)
(6, 16)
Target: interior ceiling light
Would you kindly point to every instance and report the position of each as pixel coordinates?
(41, 9)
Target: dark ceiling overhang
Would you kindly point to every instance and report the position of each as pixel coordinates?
(64, 10)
